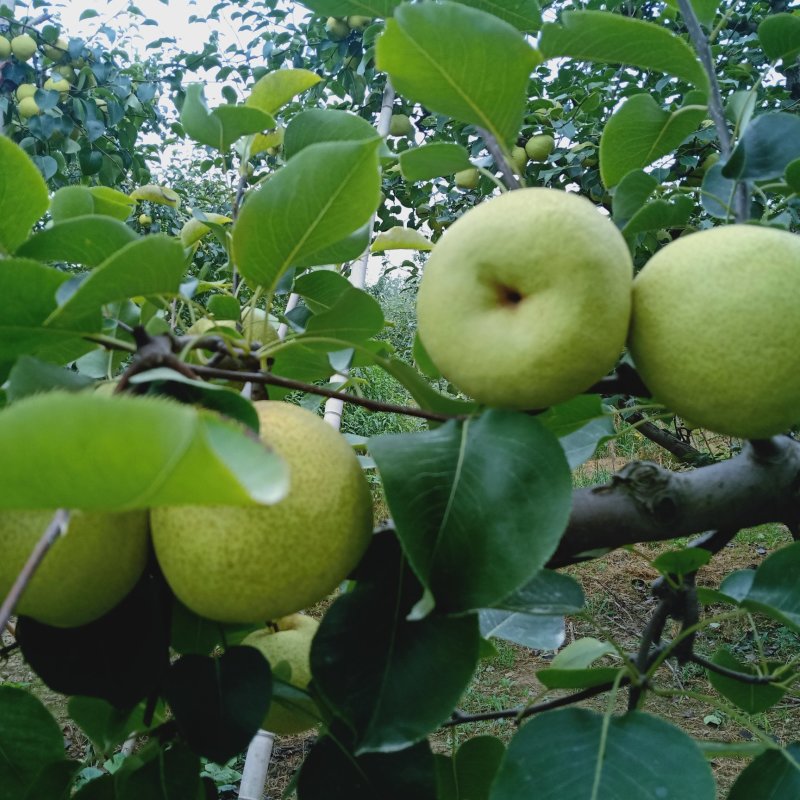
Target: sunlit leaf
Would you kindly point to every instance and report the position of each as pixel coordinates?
(23, 195)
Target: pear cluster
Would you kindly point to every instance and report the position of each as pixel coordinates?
(242, 564)
(530, 299)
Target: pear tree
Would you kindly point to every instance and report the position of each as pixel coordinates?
(138, 358)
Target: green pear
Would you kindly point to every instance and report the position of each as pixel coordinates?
(540, 147)
(25, 90)
(400, 125)
(256, 563)
(357, 23)
(287, 647)
(23, 46)
(525, 302)
(467, 178)
(715, 328)
(86, 572)
(145, 220)
(5, 47)
(337, 29)
(28, 107)
(520, 158)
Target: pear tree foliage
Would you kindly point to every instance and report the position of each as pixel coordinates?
(137, 304)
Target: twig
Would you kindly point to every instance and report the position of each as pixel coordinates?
(744, 677)
(510, 178)
(269, 379)
(715, 106)
(522, 712)
(57, 526)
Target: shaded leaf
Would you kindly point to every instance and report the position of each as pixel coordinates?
(479, 505)
(30, 739)
(668, 763)
(750, 697)
(539, 632)
(397, 684)
(469, 773)
(771, 775)
(325, 125)
(31, 376)
(769, 144)
(220, 703)
(776, 587)
(433, 161)
(779, 35)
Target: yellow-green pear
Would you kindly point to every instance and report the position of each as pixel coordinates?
(253, 564)
(5, 47)
(27, 107)
(540, 147)
(525, 301)
(715, 328)
(25, 90)
(467, 178)
(400, 125)
(56, 51)
(56, 85)
(86, 572)
(357, 23)
(145, 220)
(23, 46)
(287, 647)
(520, 158)
(257, 327)
(337, 29)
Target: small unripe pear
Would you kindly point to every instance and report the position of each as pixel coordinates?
(467, 178)
(5, 47)
(520, 158)
(337, 29)
(400, 125)
(540, 147)
(27, 107)
(25, 90)
(356, 23)
(145, 220)
(56, 51)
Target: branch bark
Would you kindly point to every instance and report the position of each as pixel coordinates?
(645, 502)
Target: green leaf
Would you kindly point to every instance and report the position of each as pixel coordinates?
(159, 774)
(682, 562)
(23, 196)
(30, 739)
(631, 194)
(87, 240)
(771, 775)
(220, 703)
(374, 682)
(54, 782)
(27, 299)
(325, 125)
(469, 773)
(640, 131)
(582, 653)
(736, 585)
(660, 214)
(221, 127)
(751, 698)
(717, 193)
(148, 266)
(423, 50)
(667, 762)
(31, 376)
(557, 678)
(614, 39)
(138, 452)
(523, 14)
(347, 249)
(343, 8)
(277, 88)
(111, 202)
(323, 194)
(547, 593)
(539, 632)
(332, 772)
(769, 144)
(779, 35)
(106, 726)
(776, 587)
(191, 633)
(792, 175)
(433, 161)
(487, 510)
(355, 316)
(71, 201)
(400, 238)
(581, 424)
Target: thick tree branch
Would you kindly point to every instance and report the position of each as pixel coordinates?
(645, 502)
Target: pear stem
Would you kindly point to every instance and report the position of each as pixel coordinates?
(57, 526)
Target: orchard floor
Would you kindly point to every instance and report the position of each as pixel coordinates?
(618, 604)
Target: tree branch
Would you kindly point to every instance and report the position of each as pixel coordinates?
(645, 502)
(510, 178)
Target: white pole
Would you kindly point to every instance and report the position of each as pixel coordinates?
(256, 764)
